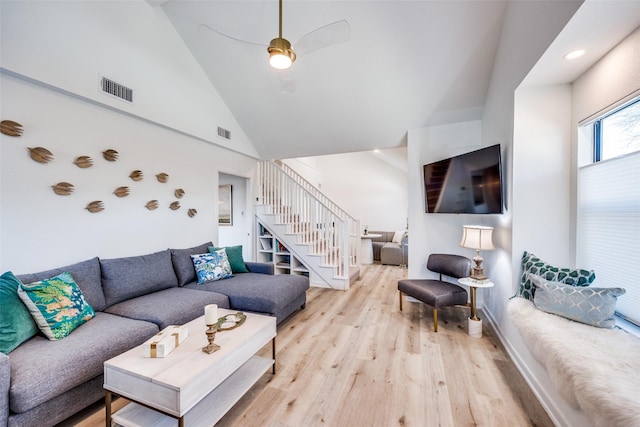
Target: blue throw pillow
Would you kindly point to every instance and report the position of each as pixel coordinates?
(56, 304)
(212, 266)
(16, 323)
(589, 305)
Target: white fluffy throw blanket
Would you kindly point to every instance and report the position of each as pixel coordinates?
(597, 370)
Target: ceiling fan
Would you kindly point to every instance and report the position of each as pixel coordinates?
(281, 52)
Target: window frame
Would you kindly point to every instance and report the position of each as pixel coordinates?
(597, 129)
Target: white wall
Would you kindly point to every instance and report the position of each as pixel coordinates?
(541, 174)
(52, 56)
(365, 186)
(40, 229)
(597, 89)
(437, 233)
(70, 44)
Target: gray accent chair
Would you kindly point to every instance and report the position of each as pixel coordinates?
(438, 293)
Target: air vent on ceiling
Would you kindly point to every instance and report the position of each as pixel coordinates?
(116, 89)
(226, 134)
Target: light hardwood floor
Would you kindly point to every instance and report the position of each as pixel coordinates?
(353, 359)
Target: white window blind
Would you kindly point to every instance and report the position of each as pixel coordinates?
(608, 239)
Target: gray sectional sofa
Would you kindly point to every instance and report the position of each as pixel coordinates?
(43, 382)
(388, 252)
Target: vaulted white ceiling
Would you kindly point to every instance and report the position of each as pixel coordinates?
(408, 64)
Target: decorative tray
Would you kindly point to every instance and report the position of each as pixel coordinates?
(231, 321)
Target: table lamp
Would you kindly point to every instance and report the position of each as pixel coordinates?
(477, 237)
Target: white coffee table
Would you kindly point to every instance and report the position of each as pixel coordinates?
(190, 387)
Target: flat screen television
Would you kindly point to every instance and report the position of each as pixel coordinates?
(470, 183)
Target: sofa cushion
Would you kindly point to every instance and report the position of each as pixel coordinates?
(126, 278)
(183, 265)
(236, 261)
(56, 304)
(257, 292)
(391, 254)
(385, 236)
(260, 267)
(42, 369)
(86, 274)
(173, 306)
(16, 324)
(212, 266)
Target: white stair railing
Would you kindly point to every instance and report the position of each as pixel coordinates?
(318, 222)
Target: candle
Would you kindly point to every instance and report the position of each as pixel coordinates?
(211, 314)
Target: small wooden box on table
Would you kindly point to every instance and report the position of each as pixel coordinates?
(190, 387)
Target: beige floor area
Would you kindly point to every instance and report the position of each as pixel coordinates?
(353, 359)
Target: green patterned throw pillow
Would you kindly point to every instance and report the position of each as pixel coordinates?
(534, 265)
(589, 305)
(56, 304)
(234, 254)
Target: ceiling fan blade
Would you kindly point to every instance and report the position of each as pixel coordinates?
(205, 27)
(287, 83)
(325, 36)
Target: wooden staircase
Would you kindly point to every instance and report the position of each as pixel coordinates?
(436, 182)
(312, 228)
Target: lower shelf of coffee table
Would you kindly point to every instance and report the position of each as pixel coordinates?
(209, 410)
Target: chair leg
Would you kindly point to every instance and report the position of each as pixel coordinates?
(400, 295)
(435, 320)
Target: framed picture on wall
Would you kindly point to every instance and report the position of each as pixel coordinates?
(225, 205)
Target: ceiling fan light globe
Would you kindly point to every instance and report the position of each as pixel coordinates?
(280, 61)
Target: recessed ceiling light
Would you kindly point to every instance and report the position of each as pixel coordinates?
(376, 151)
(574, 54)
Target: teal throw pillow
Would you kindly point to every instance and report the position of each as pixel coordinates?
(234, 254)
(531, 264)
(16, 324)
(212, 266)
(589, 305)
(56, 304)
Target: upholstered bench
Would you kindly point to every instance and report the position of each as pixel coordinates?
(438, 293)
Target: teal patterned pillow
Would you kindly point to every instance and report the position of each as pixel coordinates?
(56, 304)
(16, 324)
(234, 254)
(592, 306)
(534, 265)
(212, 266)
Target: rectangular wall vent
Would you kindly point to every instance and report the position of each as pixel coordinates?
(226, 134)
(116, 89)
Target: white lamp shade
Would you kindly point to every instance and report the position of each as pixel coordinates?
(477, 237)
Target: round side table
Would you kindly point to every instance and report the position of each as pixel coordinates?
(366, 248)
(475, 323)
